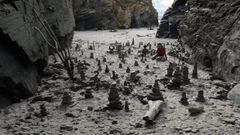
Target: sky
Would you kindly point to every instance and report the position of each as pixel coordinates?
(161, 6)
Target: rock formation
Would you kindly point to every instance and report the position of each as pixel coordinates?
(211, 30)
(23, 51)
(169, 24)
(110, 14)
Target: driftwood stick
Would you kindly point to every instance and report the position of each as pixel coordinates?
(154, 109)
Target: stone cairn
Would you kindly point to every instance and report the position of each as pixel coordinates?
(126, 106)
(133, 77)
(107, 69)
(77, 47)
(104, 59)
(149, 46)
(114, 75)
(176, 81)
(129, 50)
(140, 44)
(120, 65)
(127, 43)
(133, 41)
(127, 89)
(88, 94)
(82, 75)
(123, 60)
(43, 111)
(67, 99)
(170, 70)
(200, 97)
(91, 47)
(128, 70)
(91, 56)
(111, 49)
(99, 65)
(118, 48)
(97, 81)
(136, 64)
(114, 98)
(184, 99)
(195, 71)
(155, 94)
(185, 73)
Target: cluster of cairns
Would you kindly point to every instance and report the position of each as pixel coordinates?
(200, 98)
(178, 50)
(118, 48)
(180, 75)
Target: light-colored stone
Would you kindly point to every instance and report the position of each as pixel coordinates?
(234, 94)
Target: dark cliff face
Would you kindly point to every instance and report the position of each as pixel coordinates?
(108, 14)
(23, 51)
(212, 29)
(169, 24)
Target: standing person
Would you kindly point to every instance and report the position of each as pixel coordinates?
(160, 53)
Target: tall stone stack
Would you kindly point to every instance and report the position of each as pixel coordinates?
(170, 70)
(114, 98)
(195, 71)
(185, 73)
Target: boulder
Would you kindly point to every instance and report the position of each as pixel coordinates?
(23, 51)
(234, 94)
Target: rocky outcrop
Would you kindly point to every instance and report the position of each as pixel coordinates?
(23, 50)
(108, 14)
(212, 29)
(169, 24)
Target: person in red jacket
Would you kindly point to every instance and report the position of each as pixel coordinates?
(160, 53)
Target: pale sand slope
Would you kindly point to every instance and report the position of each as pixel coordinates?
(173, 120)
